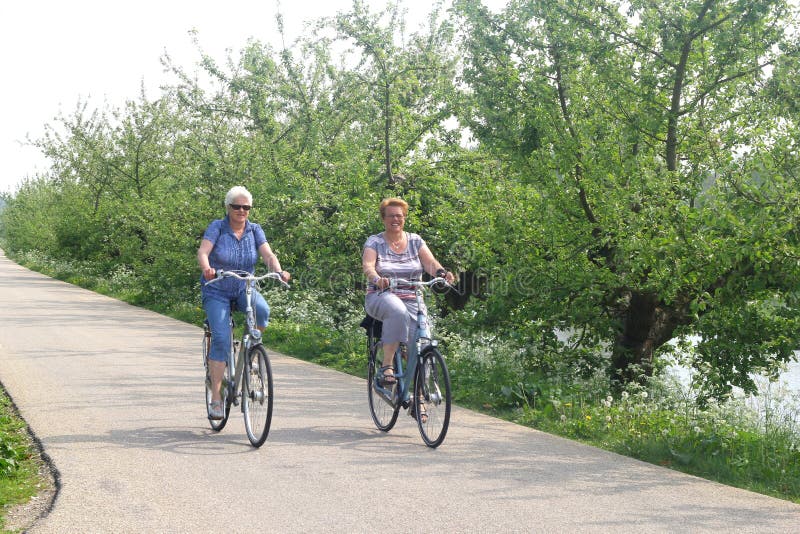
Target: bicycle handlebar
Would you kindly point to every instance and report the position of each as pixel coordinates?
(394, 282)
(247, 277)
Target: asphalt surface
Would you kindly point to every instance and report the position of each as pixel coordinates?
(115, 395)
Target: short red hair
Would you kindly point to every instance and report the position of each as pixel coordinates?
(394, 201)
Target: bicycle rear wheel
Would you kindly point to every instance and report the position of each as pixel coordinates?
(257, 395)
(384, 413)
(432, 397)
(216, 424)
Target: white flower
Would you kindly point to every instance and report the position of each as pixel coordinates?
(624, 395)
(563, 417)
(643, 394)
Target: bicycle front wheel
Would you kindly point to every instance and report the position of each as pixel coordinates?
(432, 397)
(216, 424)
(257, 395)
(384, 412)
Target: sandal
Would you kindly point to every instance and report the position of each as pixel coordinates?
(423, 413)
(387, 380)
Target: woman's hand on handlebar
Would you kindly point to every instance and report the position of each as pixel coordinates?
(382, 282)
(209, 274)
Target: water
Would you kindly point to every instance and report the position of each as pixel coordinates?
(792, 377)
(785, 391)
(781, 398)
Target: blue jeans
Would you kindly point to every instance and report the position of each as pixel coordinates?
(218, 313)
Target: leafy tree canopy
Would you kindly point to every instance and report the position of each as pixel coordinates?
(624, 173)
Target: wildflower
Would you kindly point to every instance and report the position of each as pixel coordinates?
(608, 419)
(609, 400)
(643, 394)
(563, 417)
(624, 395)
(665, 432)
(588, 417)
(696, 430)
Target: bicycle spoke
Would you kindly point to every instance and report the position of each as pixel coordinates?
(384, 413)
(432, 398)
(216, 424)
(257, 395)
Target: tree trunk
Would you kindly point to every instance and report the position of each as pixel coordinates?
(647, 325)
(387, 129)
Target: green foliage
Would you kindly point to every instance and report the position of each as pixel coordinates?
(605, 178)
(28, 220)
(623, 178)
(651, 196)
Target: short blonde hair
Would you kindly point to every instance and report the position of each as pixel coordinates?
(236, 192)
(394, 201)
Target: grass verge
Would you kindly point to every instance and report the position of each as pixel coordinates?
(22, 471)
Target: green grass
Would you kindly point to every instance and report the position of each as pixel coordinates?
(660, 424)
(20, 464)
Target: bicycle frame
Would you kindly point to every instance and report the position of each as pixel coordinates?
(422, 338)
(251, 336)
(247, 380)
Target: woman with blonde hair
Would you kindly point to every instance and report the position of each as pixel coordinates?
(231, 244)
(395, 253)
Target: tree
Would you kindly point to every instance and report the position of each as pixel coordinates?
(628, 128)
(407, 83)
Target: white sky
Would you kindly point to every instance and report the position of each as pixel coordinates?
(54, 53)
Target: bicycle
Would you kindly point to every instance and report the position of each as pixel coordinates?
(254, 387)
(431, 381)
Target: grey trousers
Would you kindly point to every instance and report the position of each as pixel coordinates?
(398, 315)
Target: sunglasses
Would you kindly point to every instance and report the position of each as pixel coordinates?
(238, 207)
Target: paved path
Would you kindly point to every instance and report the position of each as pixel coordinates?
(115, 395)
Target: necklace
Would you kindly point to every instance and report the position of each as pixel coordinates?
(398, 243)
